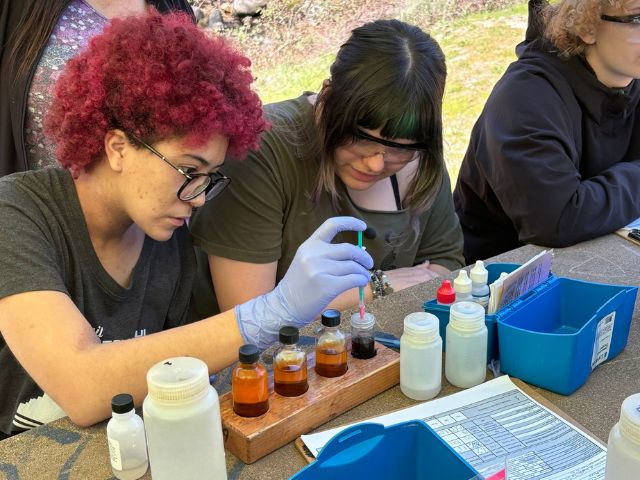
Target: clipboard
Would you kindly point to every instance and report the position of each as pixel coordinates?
(302, 448)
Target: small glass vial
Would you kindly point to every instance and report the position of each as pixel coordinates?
(466, 345)
(127, 443)
(331, 349)
(623, 448)
(479, 288)
(249, 384)
(290, 365)
(421, 356)
(462, 285)
(362, 330)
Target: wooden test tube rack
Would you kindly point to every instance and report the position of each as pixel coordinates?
(289, 417)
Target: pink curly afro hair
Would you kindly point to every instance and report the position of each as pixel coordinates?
(156, 76)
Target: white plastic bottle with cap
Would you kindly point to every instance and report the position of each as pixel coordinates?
(182, 420)
(127, 443)
(479, 288)
(466, 349)
(462, 286)
(623, 448)
(421, 356)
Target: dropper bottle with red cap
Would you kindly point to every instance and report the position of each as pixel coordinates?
(446, 295)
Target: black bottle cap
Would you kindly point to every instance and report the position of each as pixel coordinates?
(289, 335)
(248, 353)
(122, 403)
(331, 318)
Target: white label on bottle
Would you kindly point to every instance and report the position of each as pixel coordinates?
(604, 332)
(114, 454)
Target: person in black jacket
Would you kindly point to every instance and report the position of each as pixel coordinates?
(36, 40)
(554, 158)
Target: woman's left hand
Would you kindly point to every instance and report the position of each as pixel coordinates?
(408, 276)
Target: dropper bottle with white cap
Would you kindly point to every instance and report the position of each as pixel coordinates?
(623, 449)
(479, 288)
(462, 286)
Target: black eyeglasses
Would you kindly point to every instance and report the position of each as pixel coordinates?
(211, 184)
(628, 19)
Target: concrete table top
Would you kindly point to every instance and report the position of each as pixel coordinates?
(60, 450)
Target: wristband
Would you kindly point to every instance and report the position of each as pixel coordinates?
(380, 284)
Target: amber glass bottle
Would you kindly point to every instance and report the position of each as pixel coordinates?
(290, 365)
(249, 384)
(331, 349)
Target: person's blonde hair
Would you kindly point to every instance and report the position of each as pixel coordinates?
(569, 20)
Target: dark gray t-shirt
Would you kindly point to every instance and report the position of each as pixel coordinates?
(45, 245)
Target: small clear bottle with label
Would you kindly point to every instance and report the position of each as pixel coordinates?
(290, 365)
(362, 332)
(466, 345)
(331, 349)
(462, 286)
(623, 448)
(249, 383)
(127, 443)
(421, 356)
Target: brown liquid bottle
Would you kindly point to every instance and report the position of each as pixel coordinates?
(290, 365)
(362, 332)
(249, 384)
(331, 349)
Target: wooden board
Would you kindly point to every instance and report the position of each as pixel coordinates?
(306, 453)
(624, 233)
(289, 417)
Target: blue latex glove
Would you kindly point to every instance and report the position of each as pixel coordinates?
(319, 272)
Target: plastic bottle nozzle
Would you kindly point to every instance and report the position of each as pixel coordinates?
(462, 283)
(446, 295)
(478, 273)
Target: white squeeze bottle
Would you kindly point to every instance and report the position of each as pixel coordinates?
(421, 356)
(127, 444)
(479, 288)
(466, 350)
(182, 420)
(462, 286)
(623, 449)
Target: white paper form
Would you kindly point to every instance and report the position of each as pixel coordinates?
(495, 425)
(526, 277)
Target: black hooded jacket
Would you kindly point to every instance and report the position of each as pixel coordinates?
(554, 158)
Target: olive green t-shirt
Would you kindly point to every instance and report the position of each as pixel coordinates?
(267, 211)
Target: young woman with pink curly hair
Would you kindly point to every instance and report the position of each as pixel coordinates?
(554, 158)
(96, 259)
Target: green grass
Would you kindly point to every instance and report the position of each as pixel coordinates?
(478, 48)
(290, 80)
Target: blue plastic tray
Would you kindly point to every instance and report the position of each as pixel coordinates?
(409, 450)
(442, 312)
(549, 337)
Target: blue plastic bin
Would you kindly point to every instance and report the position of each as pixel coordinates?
(549, 337)
(409, 450)
(442, 312)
